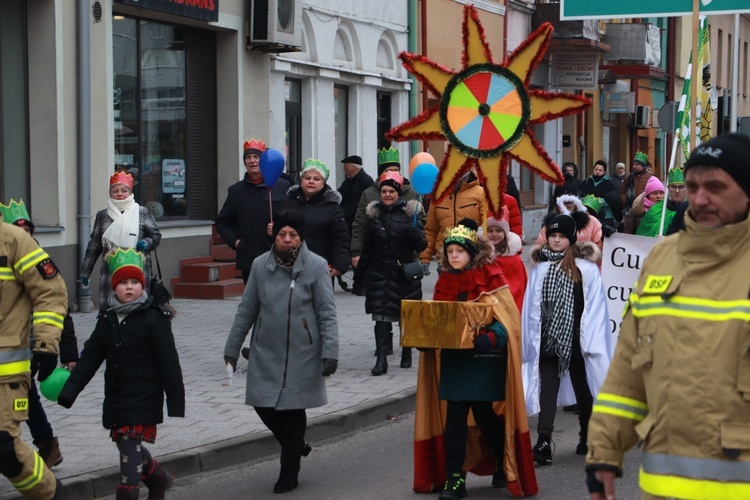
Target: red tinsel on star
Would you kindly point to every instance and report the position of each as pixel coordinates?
(545, 117)
(539, 54)
(472, 11)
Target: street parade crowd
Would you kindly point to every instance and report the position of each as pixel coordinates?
(676, 381)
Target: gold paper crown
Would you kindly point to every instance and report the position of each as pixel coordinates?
(122, 177)
(459, 234)
(254, 144)
(123, 257)
(389, 155)
(317, 165)
(14, 211)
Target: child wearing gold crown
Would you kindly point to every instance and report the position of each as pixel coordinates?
(134, 336)
(475, 380)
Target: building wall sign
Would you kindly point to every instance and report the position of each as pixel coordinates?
(206, 10)
(578, 70)
(596, 9)
(618, 102)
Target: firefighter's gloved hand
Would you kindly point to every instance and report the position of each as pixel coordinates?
(45, 362)
(141, 246)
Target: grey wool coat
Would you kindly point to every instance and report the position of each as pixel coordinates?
(293, 315)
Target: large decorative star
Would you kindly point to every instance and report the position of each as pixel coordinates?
(487, 111)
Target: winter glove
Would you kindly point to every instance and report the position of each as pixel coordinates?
(501, 334)
(414, 234)
(484, 343)
(608, 230)
(45, 362)
(84, 281)
(426, 268)
(232, 361)
(329, 366)
(64, 402)
(141, 246)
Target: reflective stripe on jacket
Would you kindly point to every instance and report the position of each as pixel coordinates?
(680, 378)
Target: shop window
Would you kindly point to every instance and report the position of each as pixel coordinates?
(384, 118)
(165, 115)
(14, 117)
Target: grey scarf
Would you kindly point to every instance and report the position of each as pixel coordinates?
(123, 310)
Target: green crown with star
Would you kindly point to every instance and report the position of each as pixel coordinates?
(124, 257)
(389, 155)
(593, 202)
(676, 176)
(459, 234)
(641, 157)
(14, 211)
(318, 165)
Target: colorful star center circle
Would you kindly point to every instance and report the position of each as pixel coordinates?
(484, 110)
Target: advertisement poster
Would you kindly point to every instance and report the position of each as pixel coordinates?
(173, 176)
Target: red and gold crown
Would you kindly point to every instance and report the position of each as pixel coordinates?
(122, 177)
(255, 146)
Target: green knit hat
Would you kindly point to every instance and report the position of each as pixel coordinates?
(593, 202)
(641, 158)
(318, 165)
(14, 211)
(676, 176)
(126, 263)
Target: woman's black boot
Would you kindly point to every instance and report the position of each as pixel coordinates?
(381, 340)
(406, 357)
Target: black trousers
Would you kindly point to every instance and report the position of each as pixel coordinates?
(454, 437)
(288, 427)
(549, 382)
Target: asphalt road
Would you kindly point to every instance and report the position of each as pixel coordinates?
(376, 463)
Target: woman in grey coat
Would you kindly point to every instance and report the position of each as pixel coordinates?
(290, 305)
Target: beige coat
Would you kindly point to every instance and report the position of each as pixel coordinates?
(680, 378)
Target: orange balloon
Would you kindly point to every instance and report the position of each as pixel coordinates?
(420, 158)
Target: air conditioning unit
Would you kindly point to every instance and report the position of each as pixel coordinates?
(275, 26)
(642, 117)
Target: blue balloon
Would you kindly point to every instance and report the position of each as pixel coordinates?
(423, 178)
(271, 165)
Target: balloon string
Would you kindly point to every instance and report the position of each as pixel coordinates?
(270, 205)
(416, 209)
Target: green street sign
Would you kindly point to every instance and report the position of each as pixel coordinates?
(611, 9)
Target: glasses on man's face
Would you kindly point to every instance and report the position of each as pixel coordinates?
(677, 187)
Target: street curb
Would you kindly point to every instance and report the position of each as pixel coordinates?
(241, 449)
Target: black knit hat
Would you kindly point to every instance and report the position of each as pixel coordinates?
(464, 235)
(729, 152)
(563, 224)
(291, 218)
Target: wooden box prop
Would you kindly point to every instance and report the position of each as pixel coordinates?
(442, 324)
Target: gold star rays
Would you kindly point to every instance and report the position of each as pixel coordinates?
(487, 111)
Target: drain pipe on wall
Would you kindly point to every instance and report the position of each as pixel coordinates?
(84, 145)
(413, 29)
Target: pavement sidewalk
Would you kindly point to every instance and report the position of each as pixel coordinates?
(219, 429)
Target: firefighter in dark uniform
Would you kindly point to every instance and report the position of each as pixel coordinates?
(31, 289)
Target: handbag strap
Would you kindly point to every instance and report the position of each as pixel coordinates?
(398, 257)
(158, 267)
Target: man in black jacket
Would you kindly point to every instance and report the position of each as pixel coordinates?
(244, 218)
(357, 180)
